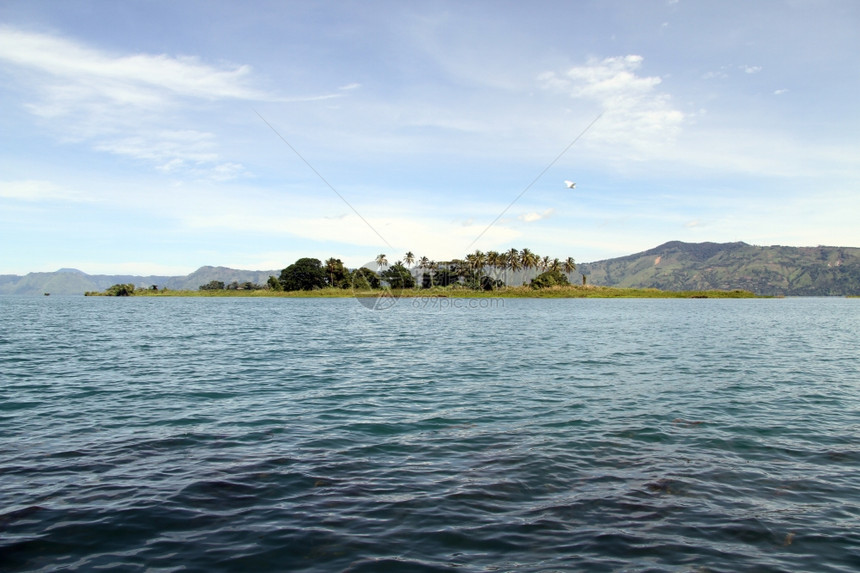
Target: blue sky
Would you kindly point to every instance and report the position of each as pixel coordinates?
(132, 138)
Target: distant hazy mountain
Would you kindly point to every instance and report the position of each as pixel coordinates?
(205, 275)
(73, 281)
(790, 271)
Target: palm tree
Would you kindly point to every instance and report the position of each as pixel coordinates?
(424, 265)
(409, 260)
(381, 261)
(468, 269)
(479, 261)
(458, 267)
(528, 260)
(569, 266)
(513, 262)
(544, 263)
(554, 265)
(493, 259)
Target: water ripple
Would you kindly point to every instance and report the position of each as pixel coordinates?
(305, 435)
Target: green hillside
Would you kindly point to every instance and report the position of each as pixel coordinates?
(775, 270)
(673, 266)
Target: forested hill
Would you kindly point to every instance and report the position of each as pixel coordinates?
(775, 270)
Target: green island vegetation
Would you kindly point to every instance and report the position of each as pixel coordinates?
(511, 274)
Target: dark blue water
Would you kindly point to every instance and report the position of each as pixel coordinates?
(519, 435)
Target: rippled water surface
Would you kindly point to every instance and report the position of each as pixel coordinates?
(515, 435)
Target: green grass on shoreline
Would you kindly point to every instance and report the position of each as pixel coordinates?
(590, 291)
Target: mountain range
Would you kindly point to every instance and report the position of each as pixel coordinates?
(73, 281)
(774, 270)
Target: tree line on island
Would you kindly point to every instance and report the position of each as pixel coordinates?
(479, 271)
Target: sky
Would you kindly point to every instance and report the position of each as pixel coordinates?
(155, 137)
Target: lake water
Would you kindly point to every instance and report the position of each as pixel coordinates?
(484, 435)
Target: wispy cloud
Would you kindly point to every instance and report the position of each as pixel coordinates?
(723, 72)
(636, 113)
(535, 216)
(37, 190)
(138, 80)
(127, 104)
(720, 74)
(173, 151)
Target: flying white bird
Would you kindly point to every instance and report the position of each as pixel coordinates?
(570, 184)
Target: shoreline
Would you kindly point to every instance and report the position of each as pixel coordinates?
(590, 291)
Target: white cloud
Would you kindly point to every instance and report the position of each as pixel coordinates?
(164, 146)
(535, 216)
(751, 69)
(780, 92)
(405, 225)
(137, 80)
(175, 151)
(35, 190)
(131, 105)
(637, 114)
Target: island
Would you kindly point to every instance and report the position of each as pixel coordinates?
(513, 274)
